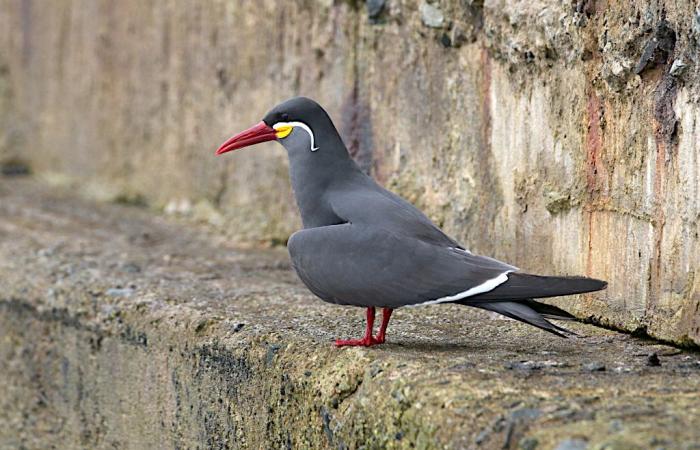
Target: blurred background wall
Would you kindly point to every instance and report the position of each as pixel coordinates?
(562, 136)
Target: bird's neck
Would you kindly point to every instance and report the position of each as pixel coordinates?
(312, 176)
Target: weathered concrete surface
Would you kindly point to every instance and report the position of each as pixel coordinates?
(119, 329)
(561, 136)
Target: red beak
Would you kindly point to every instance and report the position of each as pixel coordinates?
(254, 135)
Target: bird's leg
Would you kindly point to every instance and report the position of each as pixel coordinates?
(386, 315)
(367, 340)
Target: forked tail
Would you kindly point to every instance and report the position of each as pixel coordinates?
(514, 299)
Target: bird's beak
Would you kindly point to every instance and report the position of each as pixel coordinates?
(254, 135)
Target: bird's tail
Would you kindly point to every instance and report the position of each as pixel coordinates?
(514, 298)
(530, 312)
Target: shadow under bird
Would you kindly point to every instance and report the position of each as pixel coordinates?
(362, 245)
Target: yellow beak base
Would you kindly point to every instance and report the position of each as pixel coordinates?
(282, 131)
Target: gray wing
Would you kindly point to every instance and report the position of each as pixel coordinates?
(370, 204)
(363, 265)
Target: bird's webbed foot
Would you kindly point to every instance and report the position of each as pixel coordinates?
(364, 342)
(368, 340)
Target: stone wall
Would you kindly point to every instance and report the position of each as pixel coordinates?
(561, 136)
(122, 330)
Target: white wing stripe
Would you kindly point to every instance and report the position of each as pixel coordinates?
(486, 286)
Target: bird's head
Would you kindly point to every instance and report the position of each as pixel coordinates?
(290, 122)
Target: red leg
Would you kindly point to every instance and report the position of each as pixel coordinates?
(367, 340)
(386, 315)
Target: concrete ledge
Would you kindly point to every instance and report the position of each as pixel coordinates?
(119, 329)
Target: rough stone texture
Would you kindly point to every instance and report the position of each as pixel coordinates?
(552, 134)
(119, 329)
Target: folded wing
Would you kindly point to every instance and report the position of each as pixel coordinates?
(362, 265)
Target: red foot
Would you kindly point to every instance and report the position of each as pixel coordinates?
(368, 340)
(364, 342)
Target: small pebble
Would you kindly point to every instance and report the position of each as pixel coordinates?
(374, 8)
(524, 365)
(678, 67)
(431, 16)
(653, 360)
(594, 367)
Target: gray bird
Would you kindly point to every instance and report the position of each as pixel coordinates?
(362, 245)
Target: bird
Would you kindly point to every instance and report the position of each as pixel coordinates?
(362, 245)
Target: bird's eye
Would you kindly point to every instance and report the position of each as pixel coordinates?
(285, 117)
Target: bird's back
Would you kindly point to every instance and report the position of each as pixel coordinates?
(360, 199)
